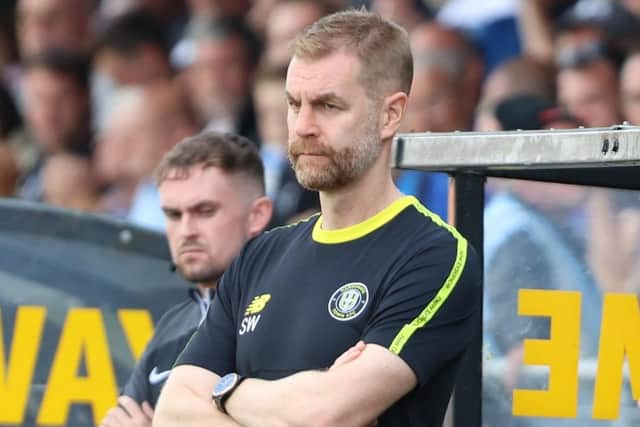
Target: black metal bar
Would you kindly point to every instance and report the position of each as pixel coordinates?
(468, 217)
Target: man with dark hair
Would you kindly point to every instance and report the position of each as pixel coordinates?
(54, 24)
(133, 49)
(212, 192)
(588, 89)
(220, 75)
(376, 272)
(57, 113)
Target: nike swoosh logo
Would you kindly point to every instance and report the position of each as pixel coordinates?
(156, 377)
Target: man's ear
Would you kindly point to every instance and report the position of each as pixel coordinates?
(259, 215)
(392, 112)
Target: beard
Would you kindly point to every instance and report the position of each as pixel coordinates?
(200, 274)
(344, 165)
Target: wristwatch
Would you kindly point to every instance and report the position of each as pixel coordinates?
(224, 388)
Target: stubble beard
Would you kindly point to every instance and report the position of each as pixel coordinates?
(345, 165)
(200, 274)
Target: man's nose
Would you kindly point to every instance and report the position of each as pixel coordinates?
(305, 122)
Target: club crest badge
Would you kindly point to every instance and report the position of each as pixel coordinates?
(348, 301)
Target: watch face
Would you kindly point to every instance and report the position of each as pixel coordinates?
(225, 384)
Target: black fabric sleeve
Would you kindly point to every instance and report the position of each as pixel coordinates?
(429, 344)
(137, 387)
(213, 345)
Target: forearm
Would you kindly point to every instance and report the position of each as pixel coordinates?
(535, 30)
(313, 398)
(181, 406)
(287, 402)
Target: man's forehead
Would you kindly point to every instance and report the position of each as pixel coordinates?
(330, 73)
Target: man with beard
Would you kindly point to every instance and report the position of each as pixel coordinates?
(212, 192)
(376, 271)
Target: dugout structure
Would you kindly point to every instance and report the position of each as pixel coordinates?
(602, 389)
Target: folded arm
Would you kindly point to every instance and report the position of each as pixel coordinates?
(186, 400)
(352, 394)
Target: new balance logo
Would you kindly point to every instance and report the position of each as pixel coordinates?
(258, 304)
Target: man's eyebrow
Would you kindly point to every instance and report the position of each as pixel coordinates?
(289, 96)
(169, 210)
(323, 97)
(328, 97)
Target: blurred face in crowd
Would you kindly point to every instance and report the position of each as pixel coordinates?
(208, 220)
(271, 109)
(630, 89)
(285, 21)
(56, 107)
(333, 128)
(42, 24)
(219, 80)
(404, 12)
(163, 120)
(68, 181)
(148, 64)
(434, 104)
(119, 133)
(590, 93)
(140, 130)
(447, 78)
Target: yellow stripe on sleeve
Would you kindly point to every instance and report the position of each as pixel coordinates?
(436, 303)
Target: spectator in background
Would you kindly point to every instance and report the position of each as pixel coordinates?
(112, 151)
(520, 75)
(288, 196)
(588, 89)
(68, 181)
(133, 49)
(407, 13)
(436, 42)
(517, 76)
(286, 19)
(144, 123)
(165, 117)
(57, 114)
(220, 77)
(630, 89)
(170, 14)
(446, 82)
(60, 24)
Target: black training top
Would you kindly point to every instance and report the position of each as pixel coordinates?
(171, 334)
(298, 296)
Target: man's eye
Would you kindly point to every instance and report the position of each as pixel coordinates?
(329, 106)
(172, 215)
(293, 105)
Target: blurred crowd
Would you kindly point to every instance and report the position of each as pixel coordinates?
(94, 92)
